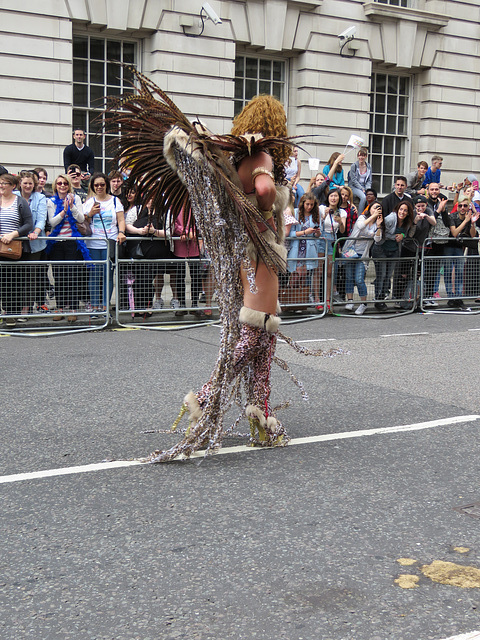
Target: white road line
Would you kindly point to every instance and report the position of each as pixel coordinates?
(474, 635)
(116, 464)
(474, 329)
(315, 340)
(394, 335)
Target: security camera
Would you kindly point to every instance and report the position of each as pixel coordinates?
(211, 13)
(348, 34)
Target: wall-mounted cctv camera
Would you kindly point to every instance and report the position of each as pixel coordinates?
(211, 13)
(348, 34)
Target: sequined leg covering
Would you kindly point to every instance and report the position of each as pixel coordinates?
(255, 351)
(253, 355)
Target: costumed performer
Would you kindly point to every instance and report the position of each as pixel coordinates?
(233, 186)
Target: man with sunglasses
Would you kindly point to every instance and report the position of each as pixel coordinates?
(463, 234)
(75, 174)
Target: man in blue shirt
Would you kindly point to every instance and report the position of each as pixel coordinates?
(434, 172)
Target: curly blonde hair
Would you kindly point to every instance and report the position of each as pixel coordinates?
(264, 114)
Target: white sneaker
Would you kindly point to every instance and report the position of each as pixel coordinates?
(361, 310)
(430, 302)
(349, 306)
(174, 304)
(158, 304)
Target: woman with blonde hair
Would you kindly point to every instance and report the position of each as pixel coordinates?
(64, 210)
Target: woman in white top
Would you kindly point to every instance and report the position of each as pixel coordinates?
(357, 249)
(64, 210)
(107, 221)
(333, 221)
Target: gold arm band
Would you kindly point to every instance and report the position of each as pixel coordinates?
(261, 170)
(267, 214)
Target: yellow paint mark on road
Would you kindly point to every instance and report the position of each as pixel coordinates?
(406, 562)
(406, 581)
(461, 549)
(455, 575)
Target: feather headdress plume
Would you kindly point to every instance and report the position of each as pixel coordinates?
(144, 118)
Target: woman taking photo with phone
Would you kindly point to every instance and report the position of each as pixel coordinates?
(107, 221)
(333, 219)
(391, 232)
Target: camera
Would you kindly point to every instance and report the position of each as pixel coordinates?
(348, 34)
(211, 13)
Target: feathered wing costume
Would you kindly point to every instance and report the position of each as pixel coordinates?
(180, 165)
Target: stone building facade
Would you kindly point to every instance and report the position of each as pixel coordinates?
(408, 83)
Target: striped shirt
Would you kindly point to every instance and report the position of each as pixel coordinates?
(9, 218)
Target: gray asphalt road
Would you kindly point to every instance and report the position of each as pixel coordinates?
(300, 543)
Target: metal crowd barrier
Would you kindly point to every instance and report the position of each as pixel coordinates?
(41, 297)
(159, 293)
(390, 285)
(303, 289)
(45, 297)
(450, 276)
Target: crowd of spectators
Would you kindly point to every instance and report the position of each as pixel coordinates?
(97, 213)
(415, 214)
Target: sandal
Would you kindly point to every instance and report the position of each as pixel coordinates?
(207, 312)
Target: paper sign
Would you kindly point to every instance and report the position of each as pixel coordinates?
(355, 142)
(313, 164)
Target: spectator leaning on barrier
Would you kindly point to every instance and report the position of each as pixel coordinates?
(107, 221)
(391, 232)
(358, 246)
(64, 211)
(303, 253)
(436, 246)
(15, 222)
(398, 195)
(38, 205)
(464, 234)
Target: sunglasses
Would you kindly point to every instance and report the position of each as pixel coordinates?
(99, 184)
(463, 206)
(62, 184)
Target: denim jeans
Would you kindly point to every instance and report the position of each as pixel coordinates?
(383, 269)
(355, 275)
(97, 282)
(454, 260)
(362, 199)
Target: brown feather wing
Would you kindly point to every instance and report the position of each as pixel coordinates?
(144, 118)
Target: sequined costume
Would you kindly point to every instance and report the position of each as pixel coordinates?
(238, 236)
